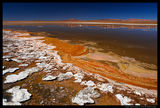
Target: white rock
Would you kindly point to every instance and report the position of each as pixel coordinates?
(49, 77)
(85, 96)
(124, 100)
(105, 87)
(10, 103)
(16, 60)
(83, 82)
(16, 77)
(89, 83)
(151, 100)
(7, 56)
(65, 76)
(23, 65)
(19, 95)
(4, 67)
(78, 77)
(137, 104)
(9, 70)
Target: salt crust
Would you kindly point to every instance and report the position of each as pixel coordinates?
(18, 95)
(151, 100)
(124, 100)
(85, 96)
(65, 76)
(49, 77)
(9, 70)
(16, 77)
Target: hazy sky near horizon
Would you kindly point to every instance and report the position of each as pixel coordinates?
(83, 11)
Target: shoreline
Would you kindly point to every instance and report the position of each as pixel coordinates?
(81, 22)
(69, 55)
(74, 54)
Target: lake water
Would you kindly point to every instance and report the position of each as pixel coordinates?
(140, 44)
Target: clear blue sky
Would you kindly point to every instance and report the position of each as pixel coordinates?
(82, 11)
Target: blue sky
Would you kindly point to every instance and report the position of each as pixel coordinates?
(82, 11)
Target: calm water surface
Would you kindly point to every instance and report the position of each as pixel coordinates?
(140, 44)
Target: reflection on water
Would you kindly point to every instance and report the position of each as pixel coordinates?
(137, 43)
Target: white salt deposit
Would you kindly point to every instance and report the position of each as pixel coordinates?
(10, 103)
(18, 95)
(16, 77)
(124, 100)
(23, 65)
(16, 60)
(88, 83)
(65, 76)
(49, 77)
(3, 67)
(105, 87)
(78, 77)
(85, 96)
(9, 70)
(151, 100)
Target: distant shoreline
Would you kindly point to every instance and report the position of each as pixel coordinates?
(80, 22)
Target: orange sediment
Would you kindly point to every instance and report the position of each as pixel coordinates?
(68, 52)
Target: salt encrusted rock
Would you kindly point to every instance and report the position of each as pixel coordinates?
(137, 104)
(105, 87)
(23, 65)
(88, 83)
(16, 77)
(151, 100)
(49, 77)
(44, 65)
(9, 70)
(85, 96)
(19, 95)
(3, 67)
(10, 103)
(124, 100)
(16, 60)
(78, 77)
(7, 56)
(65, 76)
